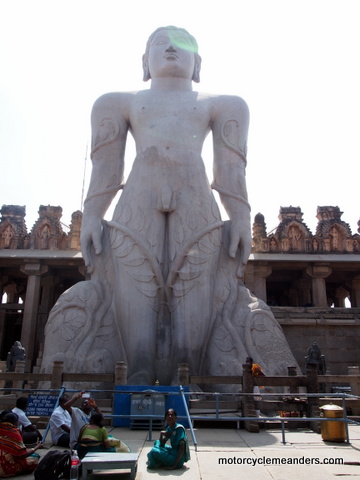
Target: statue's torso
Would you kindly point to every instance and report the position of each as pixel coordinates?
(175, 122)
(168, 174)
(169, 129)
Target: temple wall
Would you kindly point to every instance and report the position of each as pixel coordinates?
(336, 332)
(303, 276)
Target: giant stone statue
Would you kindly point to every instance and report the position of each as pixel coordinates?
(166, 272)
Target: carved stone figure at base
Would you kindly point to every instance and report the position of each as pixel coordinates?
(166, 274)
(17, 352)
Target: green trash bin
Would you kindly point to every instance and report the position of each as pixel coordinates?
(333, 431)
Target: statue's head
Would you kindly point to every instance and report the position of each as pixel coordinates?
(180, 39)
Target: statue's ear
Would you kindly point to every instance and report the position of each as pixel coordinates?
(146, 70)
(197, 67)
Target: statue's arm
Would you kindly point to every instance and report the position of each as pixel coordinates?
(230, 130)
(109, 131)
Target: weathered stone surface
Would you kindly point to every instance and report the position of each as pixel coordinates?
(166, 272)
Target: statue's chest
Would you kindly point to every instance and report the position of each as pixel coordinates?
(169, 113)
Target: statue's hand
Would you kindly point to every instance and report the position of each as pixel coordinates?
(91, 233)
(240, 237)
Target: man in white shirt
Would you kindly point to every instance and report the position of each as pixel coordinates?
(30, 433)
(60, 423)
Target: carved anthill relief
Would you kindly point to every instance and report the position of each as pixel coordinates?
(83, 322)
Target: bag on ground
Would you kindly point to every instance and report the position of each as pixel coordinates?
(54, 465)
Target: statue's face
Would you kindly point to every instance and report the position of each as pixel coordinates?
(171, 53)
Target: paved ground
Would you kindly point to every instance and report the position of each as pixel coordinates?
(231, 454)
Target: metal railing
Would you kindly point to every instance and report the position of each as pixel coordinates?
(217, 414)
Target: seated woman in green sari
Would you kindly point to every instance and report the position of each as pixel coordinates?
(93, 437)
(174, 456)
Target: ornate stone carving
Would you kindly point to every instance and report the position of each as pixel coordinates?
(13, 232)
(293, 236)
(334, 235)
(47, 232)
(73, 240)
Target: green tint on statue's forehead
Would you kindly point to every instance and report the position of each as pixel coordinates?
(179, 38)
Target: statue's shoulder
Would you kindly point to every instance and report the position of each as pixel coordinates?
(224, 103)
(117, 99)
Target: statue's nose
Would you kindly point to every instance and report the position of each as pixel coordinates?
(170, 48)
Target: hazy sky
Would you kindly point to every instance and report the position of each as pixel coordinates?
(296, 64)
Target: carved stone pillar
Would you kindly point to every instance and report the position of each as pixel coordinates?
(2, 329)
(304, 289)
(57, 372)
(183, 374)
(31, 308)
(46, 302)
(261, 272)
(121, 373)
(2, 282)
(249, 276)
(318, 273)
(355, 293)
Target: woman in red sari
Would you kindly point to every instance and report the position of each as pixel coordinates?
(15, 458)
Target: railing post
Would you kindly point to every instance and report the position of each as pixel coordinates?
(121, 373)
(313, 403)
(354, 371)
(292, 373)
(56, 376)
(188, 417)
(183, 374)
(354, 381)
(248, 402)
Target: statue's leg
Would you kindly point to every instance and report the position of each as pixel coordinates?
(139, 290)
(191, 283)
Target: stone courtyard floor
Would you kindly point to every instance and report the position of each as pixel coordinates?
(225, 453)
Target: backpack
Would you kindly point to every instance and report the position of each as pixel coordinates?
(54, 465)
